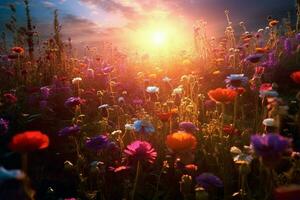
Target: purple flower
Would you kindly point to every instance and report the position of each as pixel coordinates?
(254, 58)
(140, 151)
(97, 143)
(45, 91)
(210, 104)
(188, 127)
(107, 69)
(288, 45)
(236, 80)
(73, 101)
(298, 36)
(270, 146)
(69, 131)
(3, 126)
(208, 181)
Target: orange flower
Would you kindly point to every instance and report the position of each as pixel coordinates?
(181, 141)
(222, 95)
(261, 50)
(29, 141)
(273, 23)
(296, 77)
(18, 50)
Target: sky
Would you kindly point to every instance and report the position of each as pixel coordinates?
(121, 21)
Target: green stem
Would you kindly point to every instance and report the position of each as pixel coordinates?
(138, 169)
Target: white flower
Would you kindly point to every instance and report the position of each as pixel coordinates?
(166, 79)
(178, 90)
(76, 80)
(269, 122)
(129, 127)
(103, 106)
(235, 150)
(117, 132)
(152, 89)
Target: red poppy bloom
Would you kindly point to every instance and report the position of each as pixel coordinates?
(18, 50)
(222, 95)
(296, 77)
(164, 116)
(29, 141)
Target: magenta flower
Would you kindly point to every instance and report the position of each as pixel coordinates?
(141, 151)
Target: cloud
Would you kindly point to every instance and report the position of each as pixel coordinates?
(48, 4)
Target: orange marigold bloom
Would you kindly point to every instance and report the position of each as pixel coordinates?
(29, 141)
(18, 50)
(181, 141)
(222, 95)
(273, 23)
(296, 77)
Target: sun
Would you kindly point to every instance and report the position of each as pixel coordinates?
(159, 38)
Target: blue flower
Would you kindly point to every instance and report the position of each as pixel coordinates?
(10, 174)
(69, 130)
(208, 181)
(142, 126)
(236, 80)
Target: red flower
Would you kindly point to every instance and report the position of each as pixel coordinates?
(230, 130)
(240, 90)
(296, 77)
(10, 98)
(265, 87)
(290, 192)
(29, 141)
(18, 50)
(222, 95)
(164, 116)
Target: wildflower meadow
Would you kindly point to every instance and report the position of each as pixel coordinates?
(216, 119)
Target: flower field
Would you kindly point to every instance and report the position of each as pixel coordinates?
(220, 121)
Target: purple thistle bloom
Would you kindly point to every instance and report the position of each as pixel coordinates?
(188, 127)
(270, 146)
(236, 80)
(73, 101)
(141, 151)
(208, 180)
(3, 126)
(297, 36)
(97, 143)
(69, 130)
